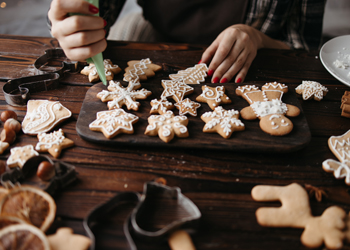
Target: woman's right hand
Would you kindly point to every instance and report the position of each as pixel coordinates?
(80, 36)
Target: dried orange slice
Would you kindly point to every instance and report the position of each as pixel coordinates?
(3, 192)
(30, 204)
(10, 220)
(23, 236)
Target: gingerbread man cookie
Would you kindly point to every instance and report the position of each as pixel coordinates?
(311, 89)
(267, 105)
(141, 70)
(176, 89)
(193, 75)
(161, 106)
(224, 122)
(110, 70)
(187, 106)
(19, 156)
(214, 96)
(167, 125)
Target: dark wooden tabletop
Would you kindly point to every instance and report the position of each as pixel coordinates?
(219, 182)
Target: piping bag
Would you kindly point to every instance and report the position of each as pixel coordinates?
(97, 59)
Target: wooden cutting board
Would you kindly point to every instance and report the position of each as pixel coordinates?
(251, 139)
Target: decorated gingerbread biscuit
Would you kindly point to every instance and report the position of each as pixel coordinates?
(345, 104)
(176, 89)
(114, 122)
(117, 95)
(167, 125)
(110, 70)
(267, 105)
(296, 212)
(187, 106)
(161, 106)
(193, 75)
(224, 122)
(141, 70)
(213, 96)
(43, 116)
(311, 89)
(53, 143)
(19, 156)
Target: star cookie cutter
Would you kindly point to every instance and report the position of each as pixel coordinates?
(180, 212)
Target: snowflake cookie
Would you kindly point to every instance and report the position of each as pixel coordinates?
(19, 156)
(176, 89)
(160, 106)
(141, 70)
(114, 122)
(311, 89)
(117, 95)
(214, 96)
(187, 106)
(110, 70)
(224, 122)
(193, 75)
(53, 143)
(167, 125)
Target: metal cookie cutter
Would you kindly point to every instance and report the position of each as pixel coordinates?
(177, 212)
(17, 91)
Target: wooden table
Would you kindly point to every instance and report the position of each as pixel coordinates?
(218, 182)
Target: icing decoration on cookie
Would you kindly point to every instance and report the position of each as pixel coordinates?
(267, 105)
(340, 146)
(214, 96)
(224, 122)
(3, 146)
(193, 75)
(43, 115)
(311, 89)
(141, 70)
(110, 70)
(167, 125)
(187, 107)
(114, 122)
(53, 143)
(19, 156)
(117, 95)
(160, 106)
(176, 89)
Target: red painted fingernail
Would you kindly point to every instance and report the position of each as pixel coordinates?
(104, 23)
(224, 80)
(93, 9)
(216, 80)
(239, 80)
(210, 72)
(200, 62)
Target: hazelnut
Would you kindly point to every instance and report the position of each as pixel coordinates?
(2, 167)
(8, 114)
(45, 171)
(8, 136)
(12, 124)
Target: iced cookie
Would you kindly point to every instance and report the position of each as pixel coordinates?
(19, 156)
(311, 89)
(175, 89)
(43, 115)
(213, 96)
(193, 75)
(345, 104)
(141, 70)
(187, 106)
(161, 106)
(110, 70)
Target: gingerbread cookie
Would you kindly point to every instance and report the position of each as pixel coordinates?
(53, 143)
(345, 104)
(187, 106)
(311, 89)
(110, 70)
(141, 70)
(176, 89)
(114, 122)
(213, 96)
(43, 115)
(117, 95)
(295, 212)
(166, 126)
(160, 106)
(267, 105)
(19, 156)
(64, 239)
(224, 122)
(193, 75)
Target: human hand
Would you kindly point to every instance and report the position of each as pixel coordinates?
(80, 36)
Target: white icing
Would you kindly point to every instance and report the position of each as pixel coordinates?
(213, 95)
(19, 155)
(137, 70)
(194, 75)
(49, 140)
(342, 171)
(311, 88)
(265, 108)
(163, 105)
(176, 89)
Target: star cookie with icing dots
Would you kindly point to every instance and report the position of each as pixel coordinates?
(117, 95)
(311, 89)
(19, 156)
(53, 143)
(176, 89)
(141, 70)
(160, 106)
(187, 106)
(224, 122)
(167, 125)
(114, 122)
(213, 96)
(110, 70)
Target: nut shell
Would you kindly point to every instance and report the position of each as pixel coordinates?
(12, 124)
(8, 114)
(8, 136)
(45, 171)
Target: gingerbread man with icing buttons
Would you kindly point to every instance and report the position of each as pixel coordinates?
(266, 104)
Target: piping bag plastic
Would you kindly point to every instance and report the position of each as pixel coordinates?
(97, 59)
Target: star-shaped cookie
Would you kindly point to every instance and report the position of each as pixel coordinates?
(224, 122)
(114, 122)
(160, 106)
(176, 89)
(214, 96)
(311, 89)
(110, 70)
(19, 156)
(53, 143)
(187, 106)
